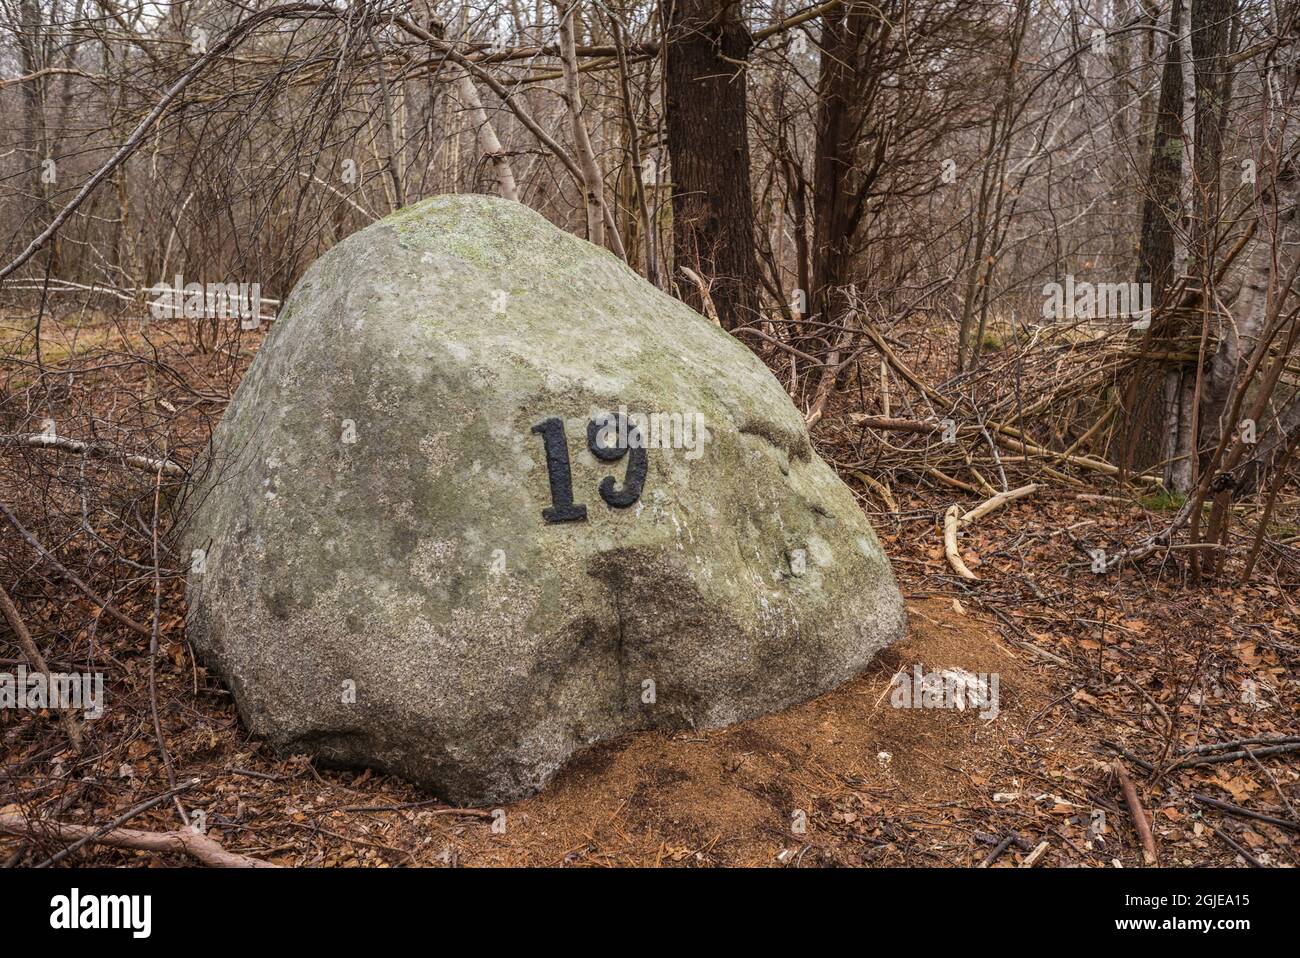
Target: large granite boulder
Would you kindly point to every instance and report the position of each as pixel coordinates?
(439, 534)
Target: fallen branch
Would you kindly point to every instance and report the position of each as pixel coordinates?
(950, 520)
(1234, 756)
(950, 481)
(117, 822)
(784, 347)
(42, 440)
(1224, 837)
(1238, 810)
(993, 503)
(1138, 815)
(1137, 760)
(895, 425)
(67, 573)
(185, 841)
(1033, 449)
(880, 489)
(25, 642)
(1011, 838)
(1237, 743)
(953, 520)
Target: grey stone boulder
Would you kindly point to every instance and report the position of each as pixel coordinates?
(384, 568)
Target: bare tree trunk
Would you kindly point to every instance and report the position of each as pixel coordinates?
(1203, 50)
(487, 137)
(705, 79)
(1164, 171)
(1153, 396)
(992, 195)
(1269, 272)
(35, 135)
(634, 151)
(390, 128)
(1237, 335)
(837, 202)
(1186, 186)
(593, 181)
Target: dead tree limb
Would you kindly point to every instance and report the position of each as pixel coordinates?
(42, 440)
(184, 841)
(68, 574)
(953, 520)
(950, 520)
(117, 822)
(994, 503)
(25, 642)
(1135, 810)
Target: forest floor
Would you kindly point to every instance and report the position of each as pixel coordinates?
(1136, 668)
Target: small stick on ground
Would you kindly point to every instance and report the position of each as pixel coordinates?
(1137, 760)
(1255, 862)
(1237, 743)
(1012, 838)
(1135, 810)
(880, 489)
(1235, 756)
(69, 721)
(1245, 812)
(1034, 857)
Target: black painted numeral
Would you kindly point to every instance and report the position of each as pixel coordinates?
(610, 438)
(603, 441)
(562, 508)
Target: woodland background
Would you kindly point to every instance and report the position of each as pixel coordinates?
(873, 197)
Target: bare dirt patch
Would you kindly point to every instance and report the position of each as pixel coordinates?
(731, 796)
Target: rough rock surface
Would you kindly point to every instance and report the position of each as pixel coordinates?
(373, 575)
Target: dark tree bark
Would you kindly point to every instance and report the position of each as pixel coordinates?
(31, 48)
(1211, 22)
(842, 177)
(705, 85)
(1164, 174)
(1144, 393)
(1171, 432)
